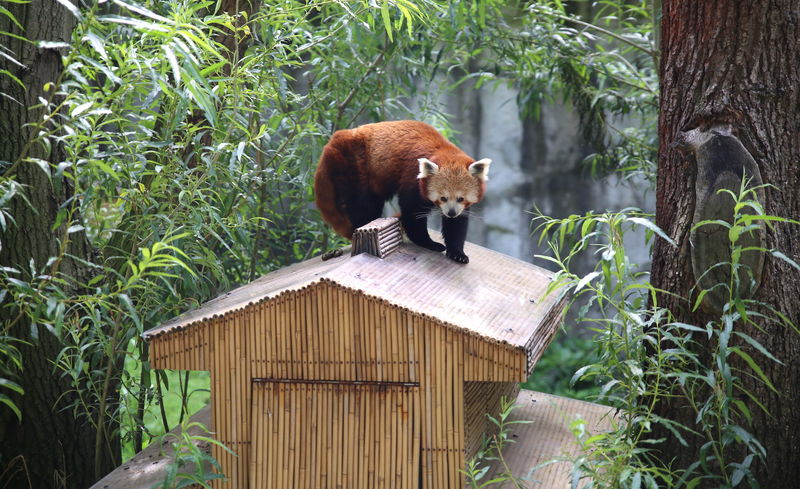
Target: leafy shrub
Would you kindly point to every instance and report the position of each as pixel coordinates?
(646, 357)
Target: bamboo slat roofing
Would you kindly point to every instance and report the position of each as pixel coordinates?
(494, 296)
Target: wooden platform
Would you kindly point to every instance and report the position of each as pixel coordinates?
(148, 467)
(546, 437)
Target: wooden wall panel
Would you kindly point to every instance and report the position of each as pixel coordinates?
(327, 333)
(327, 435)
(184, 349)
(480, 399)
(230, 397)
(324, 332)
(494, 362)
(441, 394)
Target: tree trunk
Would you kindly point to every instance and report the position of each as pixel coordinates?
(736, 62)
(57, 448)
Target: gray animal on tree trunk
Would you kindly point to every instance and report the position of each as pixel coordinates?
(722, 163)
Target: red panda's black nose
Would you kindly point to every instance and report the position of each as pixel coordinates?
(451, 213)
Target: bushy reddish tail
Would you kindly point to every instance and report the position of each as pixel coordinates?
(329, 202)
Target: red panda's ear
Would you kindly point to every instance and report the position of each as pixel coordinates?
(480, 169)
(427, 168)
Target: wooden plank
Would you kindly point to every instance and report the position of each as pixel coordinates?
(294, 333)
(380, 425)
(427, 406)
(366, 443)
(313, 437)
(339, 331)
(458, 407)
(281, 345)
(411, 346)
(349, 439)
(259, 438)
(241, 404)
(268, 340)
(416, 448)
(548, 435)
(395, 438)
(325, 429)
(315, 327)
(449, 402)
(369, 354)
(254, 338)
(437, 389)
(308, 335)
(149, 467)
(218, 395)
(362, 415)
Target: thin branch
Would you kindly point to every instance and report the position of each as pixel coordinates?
(608, 33)
(358, 85)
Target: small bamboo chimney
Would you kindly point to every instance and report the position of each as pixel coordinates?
(379, 238)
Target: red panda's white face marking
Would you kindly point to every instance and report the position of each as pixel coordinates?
(453, 189)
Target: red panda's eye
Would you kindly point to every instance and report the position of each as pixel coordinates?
(461, 199)
(444, 199)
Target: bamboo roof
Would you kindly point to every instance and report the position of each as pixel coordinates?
(494, 296)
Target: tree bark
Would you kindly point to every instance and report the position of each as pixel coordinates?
(736, 62)
(57, 447)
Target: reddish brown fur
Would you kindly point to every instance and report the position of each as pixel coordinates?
(372, 163)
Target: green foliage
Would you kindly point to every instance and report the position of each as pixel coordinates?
(192, 465)
(169, 399)
(749, 219)
(647, 357)
(605, 66)
(10, 363)
(10, 357)
(553, 372)
(188, 163)
(6, 54)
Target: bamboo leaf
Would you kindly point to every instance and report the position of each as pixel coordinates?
(585, 280)
(4, 399)
(142, 11)
(12, 386)
(652, 226)
(73, 9)
(80, 109)
(97, 44)
(10, 16)
(387, 22)
(779, 255)
(173, 62)
(754, 366)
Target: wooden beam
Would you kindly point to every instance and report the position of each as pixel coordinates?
(149, 467)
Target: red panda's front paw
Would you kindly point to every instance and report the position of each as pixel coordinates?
(458, 256)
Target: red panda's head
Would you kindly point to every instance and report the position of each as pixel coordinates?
(453, 188)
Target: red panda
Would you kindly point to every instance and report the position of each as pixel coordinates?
(360, 169)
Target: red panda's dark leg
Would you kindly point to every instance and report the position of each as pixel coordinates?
(363, 209)
(414, 217)
(454, 230)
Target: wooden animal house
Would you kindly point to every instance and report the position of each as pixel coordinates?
(360, 371)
